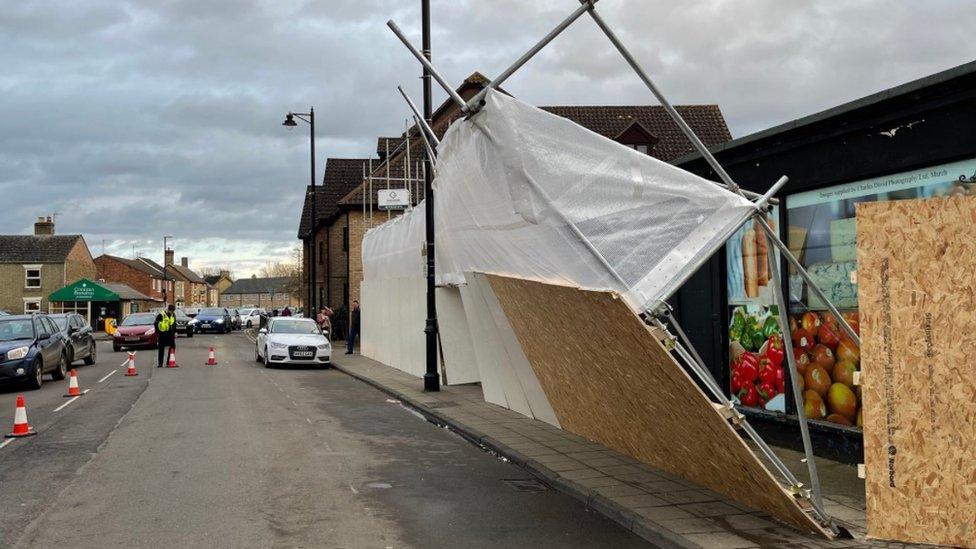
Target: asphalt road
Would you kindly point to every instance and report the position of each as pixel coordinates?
(235, 455)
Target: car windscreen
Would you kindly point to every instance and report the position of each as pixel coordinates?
(294, 327)
(212, 312)
(139, 320)
(12, 330)
(61, 321)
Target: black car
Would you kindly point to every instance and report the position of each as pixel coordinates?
(31, 346)
(78, 336)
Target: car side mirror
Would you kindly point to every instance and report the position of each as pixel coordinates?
(44, 336)
(71, 330)
(263, 331)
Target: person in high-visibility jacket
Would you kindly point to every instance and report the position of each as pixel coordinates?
(165, 334)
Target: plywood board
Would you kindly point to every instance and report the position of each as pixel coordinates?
(610, 380)
(916, 265)
(487, 350)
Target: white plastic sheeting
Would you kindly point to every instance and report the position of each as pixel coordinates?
(521, 192)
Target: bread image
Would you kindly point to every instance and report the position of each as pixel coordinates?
(762, 261)
(750, 267)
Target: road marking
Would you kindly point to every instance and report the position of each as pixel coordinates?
(107, 375)
(354, 490)
(59, 408)
(6, 442)
(309, 421)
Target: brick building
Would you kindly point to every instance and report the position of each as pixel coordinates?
(190, 289)
(216, 285)
(267, 293)
(140, 274)
(34, 266)
(342, 222)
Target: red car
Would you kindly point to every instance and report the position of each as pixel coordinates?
(136, 331)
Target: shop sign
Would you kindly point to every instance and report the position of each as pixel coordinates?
(393, 199)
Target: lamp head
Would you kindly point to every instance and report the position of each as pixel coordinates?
(289, 121)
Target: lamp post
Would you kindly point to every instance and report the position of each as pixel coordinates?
(431, 379)
(309, 118)
(165, 275)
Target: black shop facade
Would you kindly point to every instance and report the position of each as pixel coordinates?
(917, 140)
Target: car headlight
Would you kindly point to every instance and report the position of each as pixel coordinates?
(149, 332)
(325, 347)
(219, 321)
(19, 352)
(277, 345)
(193, 321)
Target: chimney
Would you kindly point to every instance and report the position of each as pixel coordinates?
(168, 262)
(43, 226)
(224, 272)
(185, 262)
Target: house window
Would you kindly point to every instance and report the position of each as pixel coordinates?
(321, 252)
(32, 276)
(32, 305)
(345, 239)
(639, 147)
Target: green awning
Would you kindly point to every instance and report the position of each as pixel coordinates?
(83, 290)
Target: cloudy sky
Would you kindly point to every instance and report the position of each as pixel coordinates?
(135, 119)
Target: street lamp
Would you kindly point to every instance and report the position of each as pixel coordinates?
(165, 276)
(290, 123)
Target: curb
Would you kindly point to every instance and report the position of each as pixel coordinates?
(636, 524)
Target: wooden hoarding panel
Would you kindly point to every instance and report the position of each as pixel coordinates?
(610, 380)
(917, 277)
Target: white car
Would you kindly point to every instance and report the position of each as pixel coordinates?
(250, 317)
(292, 340)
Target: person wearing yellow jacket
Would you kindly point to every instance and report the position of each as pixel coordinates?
(165, 334)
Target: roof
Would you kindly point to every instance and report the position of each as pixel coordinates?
(341, 176)
(37, 249)
(908, 88)
(383, 143)
(187, 274)
(258, 285)
(608, 121)
(133, 263)
(126, 292)
(152, 265)
(213, 279)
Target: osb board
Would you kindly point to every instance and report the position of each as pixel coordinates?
(610, 380)
(917, 277)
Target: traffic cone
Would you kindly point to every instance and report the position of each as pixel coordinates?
(21, 427)
(211, 360)
(73, 389)
(132, 365)
(172, 359)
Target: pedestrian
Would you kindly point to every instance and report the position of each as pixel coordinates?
(353, 327)
(324, 319)
(286, 311)
(165, 334)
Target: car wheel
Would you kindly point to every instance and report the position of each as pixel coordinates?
(71, 355)
(248, 323)
(189, 333)
(116, 348)
(257, 355)
(92, 355)
(36, 380)
(61, 371)
(267, 361)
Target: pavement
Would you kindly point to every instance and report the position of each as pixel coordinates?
(655, 505)
(236, 455)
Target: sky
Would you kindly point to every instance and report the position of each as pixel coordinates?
(135, 119)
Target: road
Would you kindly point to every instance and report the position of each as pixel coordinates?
(236, 455)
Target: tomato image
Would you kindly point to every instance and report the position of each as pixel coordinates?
(817, 380)
(813, 405)
(810, 322)
(803, 339)
(823, 356)
(843, 372)
(829, 334)
(841, 400)
(848, 350)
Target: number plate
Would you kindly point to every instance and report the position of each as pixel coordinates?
(205, 325)
(132, 339)
(303, 354)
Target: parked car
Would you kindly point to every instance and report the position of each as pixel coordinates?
(214, 319)
(31, 346)
(292, 340)
(251, 317)
(235, 318)
(184, 324)
(4, 313)
(137, 330)
(78, 336)
(191, 312)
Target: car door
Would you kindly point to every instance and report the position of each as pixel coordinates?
(71, 329)
(51, 346)
(261, 341)
(85, 336)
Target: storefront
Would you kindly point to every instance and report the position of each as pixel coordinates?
(99, 301)
(913, 141)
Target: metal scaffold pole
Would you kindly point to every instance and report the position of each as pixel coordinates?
(431, 379)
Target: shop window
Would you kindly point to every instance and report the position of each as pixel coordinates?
(32, 306)
(821, 233)
(32, 276)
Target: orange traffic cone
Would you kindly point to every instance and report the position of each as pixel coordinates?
(21, 427)
(172, 359)
(132, 365)
(211, 360)
(73, 389)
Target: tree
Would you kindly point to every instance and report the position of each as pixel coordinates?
(215, 271)
(290, 269)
